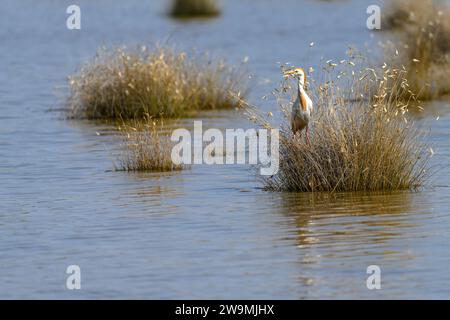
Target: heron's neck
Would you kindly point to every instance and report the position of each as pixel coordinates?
(302, 96)
(301, 87)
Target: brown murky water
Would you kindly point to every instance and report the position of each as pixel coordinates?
(210, 231)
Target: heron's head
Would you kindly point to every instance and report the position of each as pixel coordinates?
(296, 72)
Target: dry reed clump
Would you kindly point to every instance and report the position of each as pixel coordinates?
(422, 45)
(194, 8)
(159, 83)
(357, 144)
(398, 14)
(145, 147)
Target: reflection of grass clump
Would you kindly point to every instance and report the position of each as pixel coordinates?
(159, 83)
(145, 147)
(357, 144)
(424, 50)
(194, 8)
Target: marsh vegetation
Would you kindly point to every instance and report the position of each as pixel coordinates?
(162, 82)
(420, 45)
(357, 144)
(145, 147)
(194, 8)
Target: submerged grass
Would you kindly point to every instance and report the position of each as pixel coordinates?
(357, 143)
(145, 147)
(422, 45)
(194, 8)
(160, 83)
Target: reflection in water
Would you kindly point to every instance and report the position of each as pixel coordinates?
(325, 219)
(156, 193)
(348, 231)
(431, 109)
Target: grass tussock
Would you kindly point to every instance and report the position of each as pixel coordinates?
(356, 144)
(194, 8)
(145, 147)
(422, 45)
(160, 83)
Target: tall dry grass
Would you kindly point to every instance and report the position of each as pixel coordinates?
(194, 8)
(145, 147)
(357, 143)
(421, 45)
(160, 83)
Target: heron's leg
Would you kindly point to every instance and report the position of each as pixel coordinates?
(307, 136)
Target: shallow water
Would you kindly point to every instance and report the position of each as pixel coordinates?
(210, 231)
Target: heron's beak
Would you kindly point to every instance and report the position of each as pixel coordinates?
(288, 73)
